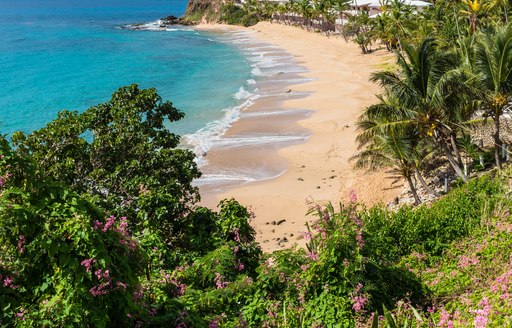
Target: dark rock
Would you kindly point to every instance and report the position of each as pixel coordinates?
(280, 222)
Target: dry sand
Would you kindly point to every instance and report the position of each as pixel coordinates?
(317, 170)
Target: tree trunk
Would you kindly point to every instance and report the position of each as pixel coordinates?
(417, 199)
(425, 185)
(453, 140)
(456, 168)
(497, 141)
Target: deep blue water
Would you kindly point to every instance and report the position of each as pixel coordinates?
(71, 54)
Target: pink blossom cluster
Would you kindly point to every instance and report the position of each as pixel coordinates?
(502, 284)
(358, 298)
(312, 256)
(87, 263)
(21, 314)
(219, 281)
(353, 196)
(138, 293)
(272, 310)
(239, 266)
(180, 287)
(359, 239)
(236, 234)
(121, 229)
(22, 240)
(465, 261)
(307, 235)
(3, 179)
(180, 322)
(482, 315)
(445, 320)
(8, 281)
(504, 226)
(105, 284)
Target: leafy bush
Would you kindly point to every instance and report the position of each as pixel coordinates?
(431, 229)
(236, 15)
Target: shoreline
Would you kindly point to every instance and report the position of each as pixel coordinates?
(317, 169)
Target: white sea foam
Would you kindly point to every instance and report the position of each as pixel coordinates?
(237, 176)
(256, 140)
(242, 94)
(303, 112)
(257, 72)
(202, 140)
(157, 25)
(251, 81)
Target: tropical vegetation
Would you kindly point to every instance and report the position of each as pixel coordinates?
(100, 223)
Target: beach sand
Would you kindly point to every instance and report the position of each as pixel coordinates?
(317, 170)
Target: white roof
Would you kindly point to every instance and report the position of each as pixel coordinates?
(380, 3)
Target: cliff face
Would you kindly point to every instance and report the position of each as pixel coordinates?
(203, 10)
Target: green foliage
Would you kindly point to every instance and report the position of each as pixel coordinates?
(431, 228)
(233, 14)
(59, 254)
(121, 153)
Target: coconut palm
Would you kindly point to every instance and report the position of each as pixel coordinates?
(493, 67)
(430, 93)
(397, 17)
(306, 11)
(502, 4)
(395, 149)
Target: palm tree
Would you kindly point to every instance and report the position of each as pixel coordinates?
(306, 10)
(430, 93)
(498, 4)
(493, 67)
(473, 10)
(397, 15)
(395, 149)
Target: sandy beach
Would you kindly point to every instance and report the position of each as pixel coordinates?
(317, 170)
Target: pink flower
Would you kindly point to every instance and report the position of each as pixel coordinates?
(480, 321)
(96, 225)
(219, 281)
(236, 232)
(307, 235)
(313, 256)
(359, 303)
(21, 241)
(121, 285)
(21, 314)
(110, 222)
(240, 266)
(88, 263)
(353, 196)
(445, 319)
(360, 240)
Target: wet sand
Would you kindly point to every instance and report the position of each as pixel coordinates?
(321, 113)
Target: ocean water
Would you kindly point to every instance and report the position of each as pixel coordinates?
(73, 54)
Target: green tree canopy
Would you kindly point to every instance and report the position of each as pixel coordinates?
(122, 153)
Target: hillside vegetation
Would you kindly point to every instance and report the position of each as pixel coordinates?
(99, 231)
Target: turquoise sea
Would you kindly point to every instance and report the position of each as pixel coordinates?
(73, 54)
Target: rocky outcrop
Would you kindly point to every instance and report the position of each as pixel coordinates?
(203, 10)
